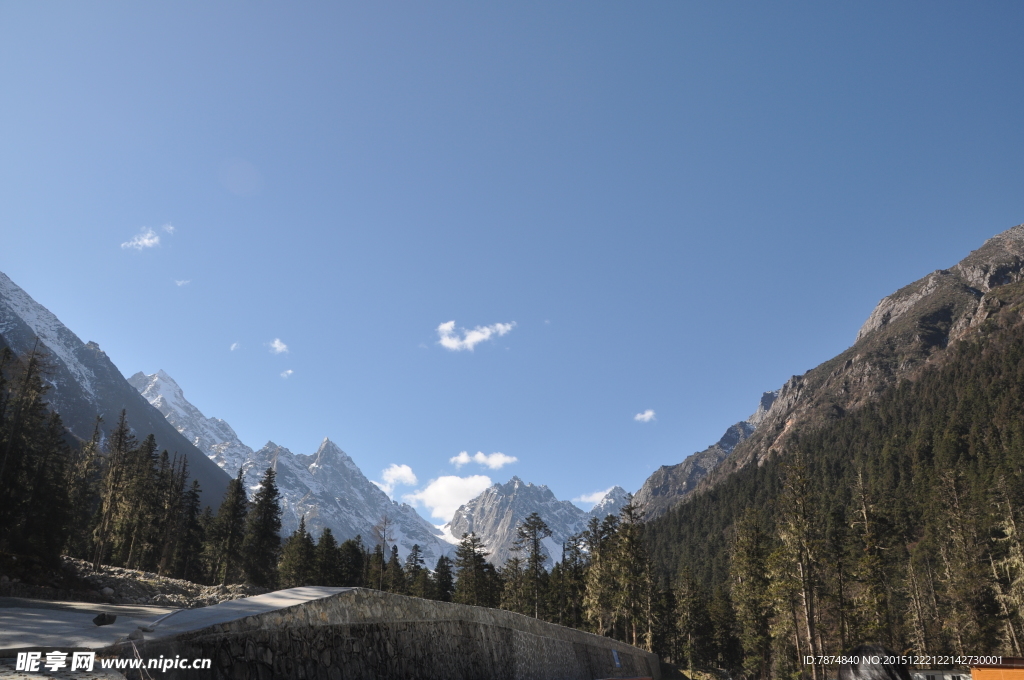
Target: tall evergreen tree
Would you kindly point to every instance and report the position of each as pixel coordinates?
(444, 579)
(475, 583)
(120, 445)
(328, 560)
(750, 594)
(228, 532)
(417, 577)
(530, 535)
(298, 559)
(188, 562)
(352, 562)
(395, 574)
(261, 546)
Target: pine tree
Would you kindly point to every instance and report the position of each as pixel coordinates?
(475, 584)
(750, 594)
(112, 493)
(529, 537)
(693, 622)
(395, 574)
(328, 560)
(261, 546)
(298, 559)
(416, 575)
(188, 562)
(228, 532)
(600, 600)
(352, 562)
(516, 595)
(444, 579)
(382, 535)
(633, 573)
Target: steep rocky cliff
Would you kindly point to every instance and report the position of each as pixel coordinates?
(671, 483)
(907, 330)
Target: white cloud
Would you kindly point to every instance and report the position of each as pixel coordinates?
(234, 346)
(449, 338)
(182, 283)
(592, 498)
(394, 475)
(278, 347)
(287, 374)
(444, 495)
(495, 461)
(147, 238)
(645, 417)
(169, 228)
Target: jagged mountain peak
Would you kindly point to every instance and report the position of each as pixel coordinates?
(495, 514)
(327, 488)
(610, 504)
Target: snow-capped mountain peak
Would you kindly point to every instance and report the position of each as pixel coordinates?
(611, 504)
(327, 487)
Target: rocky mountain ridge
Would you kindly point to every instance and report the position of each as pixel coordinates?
(495, 514)
(327, 487)
(84, 383)
(907, 331)
(670, 484)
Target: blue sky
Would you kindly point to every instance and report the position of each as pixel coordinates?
(669, 207)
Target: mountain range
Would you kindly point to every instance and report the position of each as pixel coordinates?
(326, 487)
(84, 384)
(330, 490)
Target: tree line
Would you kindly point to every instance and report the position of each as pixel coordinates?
(121, 502)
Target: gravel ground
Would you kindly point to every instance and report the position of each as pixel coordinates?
(115, 585)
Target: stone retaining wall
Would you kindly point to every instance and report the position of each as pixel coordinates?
(369, 634)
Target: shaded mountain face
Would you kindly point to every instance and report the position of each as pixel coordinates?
(84, 383)
(670, 484)
(496, 513)
(327, 487)
(907, 331)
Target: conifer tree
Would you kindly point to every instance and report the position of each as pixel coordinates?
(188, 562)
(444, 579)
(261, 546)
(475, 584)
(750, 594)
(328, 560)
(529, 537)
(417, 577)
(693, 622)
(633, 572)
(229, 531)
(600, 600)
(395, 574)
(120, 444)
(516, 595)
(298, 558)
(352, 562)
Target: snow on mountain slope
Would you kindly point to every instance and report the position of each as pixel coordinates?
(84, 383)
(328, 488)
(495, 514)
(212, 436)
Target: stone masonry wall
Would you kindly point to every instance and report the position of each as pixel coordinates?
(370, 634)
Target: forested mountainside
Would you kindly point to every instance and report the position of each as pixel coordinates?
(882, 505)
(906, 331)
